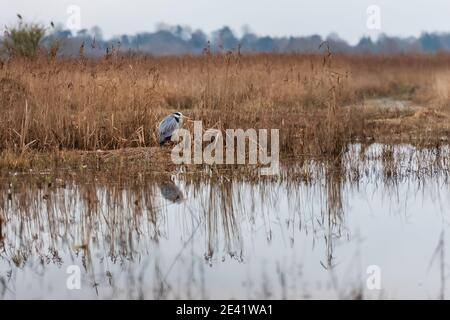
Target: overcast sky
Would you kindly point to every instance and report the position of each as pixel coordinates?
(348, 18)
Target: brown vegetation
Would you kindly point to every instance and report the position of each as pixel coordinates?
(320, 102)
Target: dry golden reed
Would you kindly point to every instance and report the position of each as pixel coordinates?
(320, 102)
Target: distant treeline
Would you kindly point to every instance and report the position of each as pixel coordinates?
(175, 40)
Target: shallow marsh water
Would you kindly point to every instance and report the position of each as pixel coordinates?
(313, 232)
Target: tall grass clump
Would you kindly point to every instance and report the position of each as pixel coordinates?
(23, 39)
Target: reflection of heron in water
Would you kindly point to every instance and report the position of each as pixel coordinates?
(170, 191)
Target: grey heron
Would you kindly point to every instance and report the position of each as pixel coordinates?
(168, 125)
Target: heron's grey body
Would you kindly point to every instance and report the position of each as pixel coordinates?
(168, 125)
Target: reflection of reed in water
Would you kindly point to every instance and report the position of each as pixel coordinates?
(1, 230)
(85, 213)
(334, 176)
(120, 220)
(221, 212)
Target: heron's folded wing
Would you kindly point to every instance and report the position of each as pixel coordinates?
(167, 127)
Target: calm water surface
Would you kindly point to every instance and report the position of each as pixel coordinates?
(311, 233)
